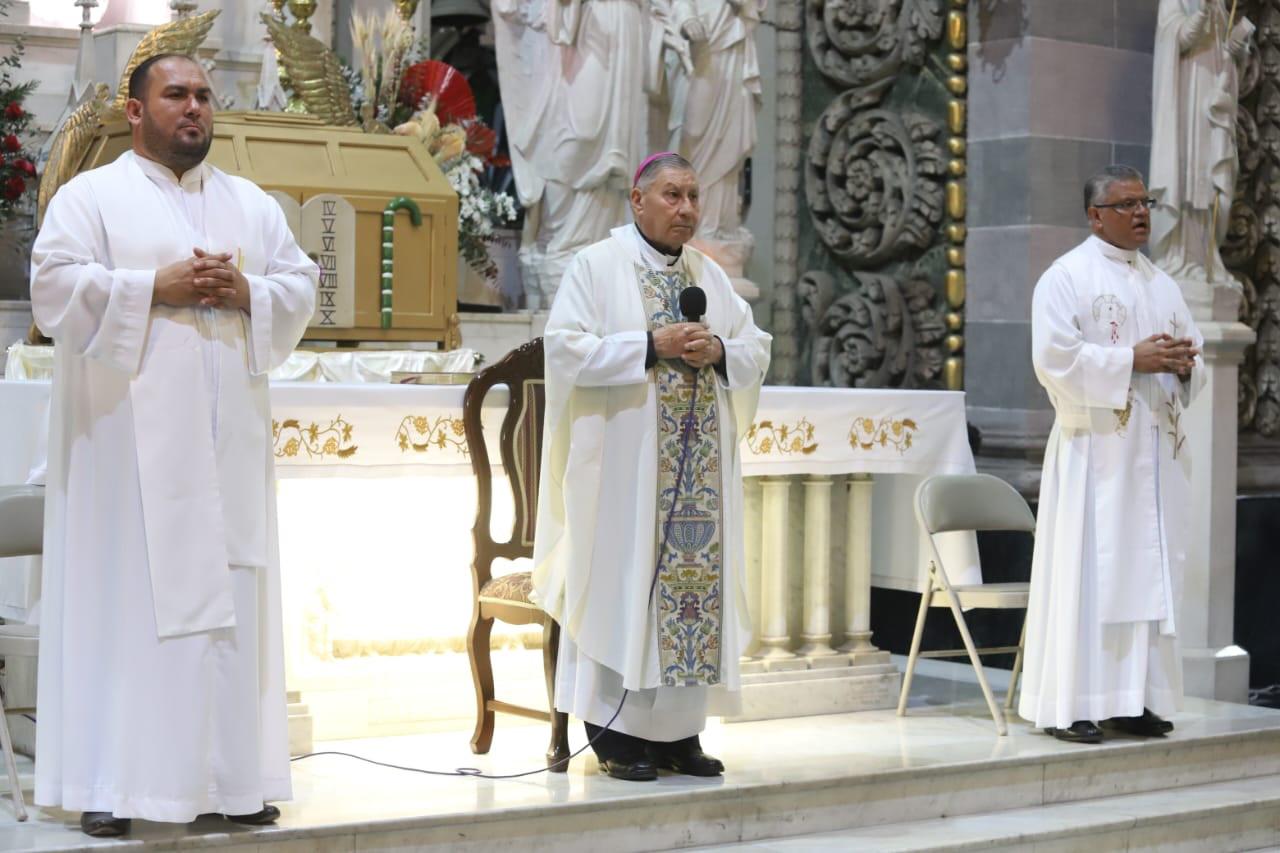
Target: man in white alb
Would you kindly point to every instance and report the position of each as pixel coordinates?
(170, 289)
(1114, 345)
(639, 549)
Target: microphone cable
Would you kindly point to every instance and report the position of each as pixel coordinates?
(688, 426)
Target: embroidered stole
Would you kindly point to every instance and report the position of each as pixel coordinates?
(689, 587)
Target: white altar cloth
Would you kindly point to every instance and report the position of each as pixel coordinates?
(335, 411)
(376, 503)
(324, 429)
(34, 362)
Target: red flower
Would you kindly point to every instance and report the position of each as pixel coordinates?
(11, 143)
(24, 165)
(445, 85)
(481, 139)
(14, 111)
(14, 187)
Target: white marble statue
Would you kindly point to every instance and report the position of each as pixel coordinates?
(714, 90)
(573, 88)
(1199, 48)
(715, 121)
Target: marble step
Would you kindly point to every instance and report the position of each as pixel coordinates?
(862, 771)
(845, 773)
(1218, 817)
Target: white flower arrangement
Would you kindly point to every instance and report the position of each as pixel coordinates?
(385, 52)
(480, 209)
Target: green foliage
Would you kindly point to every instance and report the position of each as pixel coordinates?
(17, 165)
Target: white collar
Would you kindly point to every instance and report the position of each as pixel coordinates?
(192, 180)
(653, 257)
(1131, 258)
(1115, 253)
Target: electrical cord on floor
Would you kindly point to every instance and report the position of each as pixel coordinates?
(475, 772)
(686, 434)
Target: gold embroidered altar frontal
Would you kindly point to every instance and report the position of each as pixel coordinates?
(351, 432)
(796, 430)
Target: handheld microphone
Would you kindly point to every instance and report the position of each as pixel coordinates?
(693, 303)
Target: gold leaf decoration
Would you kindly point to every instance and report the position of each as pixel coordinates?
(315, 73)
(181, 36)
(869, 434)
(71, 141)
(766, 438)
(421, 434)
(290, 438)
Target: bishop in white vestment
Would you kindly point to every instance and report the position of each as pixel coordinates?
(170, 289)
(1115, 347)
(639, 547)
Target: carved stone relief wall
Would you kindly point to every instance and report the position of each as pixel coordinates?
(784, 367)
(1252, 248)
(881, 301)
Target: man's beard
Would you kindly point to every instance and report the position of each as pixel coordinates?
(172, 150)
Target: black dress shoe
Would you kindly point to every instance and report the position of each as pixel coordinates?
(1081, 731)
(685, 756)
(103, 825)
(1148, 725)
(640, 770)
(268, 815)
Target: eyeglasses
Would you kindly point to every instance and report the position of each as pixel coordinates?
(1128, 205)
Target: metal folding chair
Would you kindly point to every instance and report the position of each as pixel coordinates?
(953, 502)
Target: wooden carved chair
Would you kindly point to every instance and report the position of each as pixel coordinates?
(507, 598)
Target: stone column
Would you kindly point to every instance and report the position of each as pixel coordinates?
(1213, 666)
(857, 555)
(778, 682)
(1038, 127)
(816, 626)
(752, 531)
(775, 634)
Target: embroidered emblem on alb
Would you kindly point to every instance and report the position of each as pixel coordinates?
(1110, 313)
(1123, 415)
(1173, 406)
(689, 586)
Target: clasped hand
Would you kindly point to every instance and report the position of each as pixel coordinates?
(692, 343)
(1165, 354)
(206, 279)
(694, 29)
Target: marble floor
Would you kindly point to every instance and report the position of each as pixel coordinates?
(341, 803)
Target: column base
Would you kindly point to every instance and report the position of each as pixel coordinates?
(301, 725)
(829, 684)
(1221, 674)
(816, 646)
(773, 648)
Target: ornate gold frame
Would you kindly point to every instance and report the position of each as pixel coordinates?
(957, 37)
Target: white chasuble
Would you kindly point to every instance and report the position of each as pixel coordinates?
(598, 531)
(161, 683)
(1114, 496)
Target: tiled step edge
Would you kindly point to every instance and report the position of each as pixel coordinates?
(723, 813)
(1221, 816)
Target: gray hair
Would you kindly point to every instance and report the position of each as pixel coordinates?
(1096, 187)
(649, 172)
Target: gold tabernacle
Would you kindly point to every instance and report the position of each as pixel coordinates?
(335, 184)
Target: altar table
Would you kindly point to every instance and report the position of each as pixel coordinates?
(376, 503)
